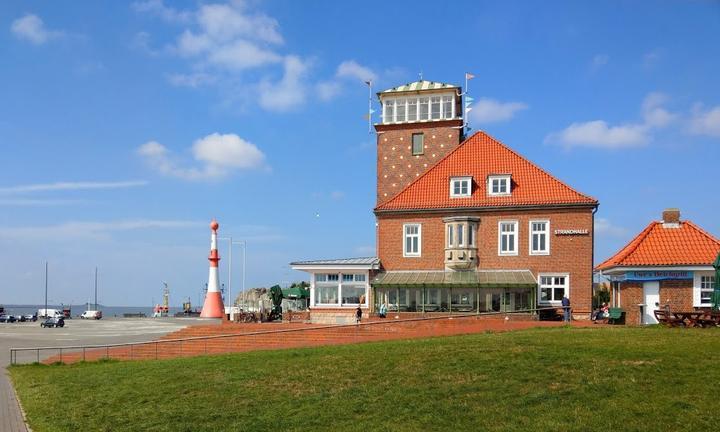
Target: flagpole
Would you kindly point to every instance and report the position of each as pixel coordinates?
(369, 84)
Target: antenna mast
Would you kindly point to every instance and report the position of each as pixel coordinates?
(468, 100)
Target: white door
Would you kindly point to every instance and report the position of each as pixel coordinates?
(651, 295)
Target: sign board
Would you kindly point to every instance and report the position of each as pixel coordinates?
(560, 232)
(656, 275)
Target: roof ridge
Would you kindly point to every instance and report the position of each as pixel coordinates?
(629, 248)
(427, 171)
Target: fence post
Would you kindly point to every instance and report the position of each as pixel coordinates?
(61, 355)
(131, 351)
(83, 353)
(156, 350)
(107, 352)
(180, 347)
(38, 355)
(206, 346)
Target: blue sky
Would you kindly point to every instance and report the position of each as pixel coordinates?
(126, 126)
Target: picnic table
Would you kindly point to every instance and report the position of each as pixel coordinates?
(689, 318)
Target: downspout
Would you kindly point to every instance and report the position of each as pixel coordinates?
(592, 255)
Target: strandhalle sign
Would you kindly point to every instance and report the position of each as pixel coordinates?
(561, 232)
(657, 275)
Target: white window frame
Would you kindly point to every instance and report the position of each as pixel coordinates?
(407, 254)
(450, 235)
(553, 286)
(697, 288)
(453, 180)
(547, 237)
(506, 178)
(515, 237)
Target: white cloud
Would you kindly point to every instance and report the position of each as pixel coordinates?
(653, 112)
(599, 134)
(488, 110)
(158, 8)
(44, 187)
(32, 29)
(23, 202)
(96, 230)
(225, 22)
(290, 91)
(353, 70)
(241, 54)
(603, 227)
(337, 195)
(218, 155)
(705, 122)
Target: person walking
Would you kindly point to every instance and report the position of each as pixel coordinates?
(566, 308)
(358, 315)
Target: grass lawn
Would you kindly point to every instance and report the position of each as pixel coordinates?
(559, 379)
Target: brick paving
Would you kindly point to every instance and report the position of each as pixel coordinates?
(233, 338)
(11, 419)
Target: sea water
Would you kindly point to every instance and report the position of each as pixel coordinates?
(76, 310)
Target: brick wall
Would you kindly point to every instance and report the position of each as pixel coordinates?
(678, 294)
(396, 165)
(568, 254)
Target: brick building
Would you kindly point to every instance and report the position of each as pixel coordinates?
(463, 223)
(668, 263)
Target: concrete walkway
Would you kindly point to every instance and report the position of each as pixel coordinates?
(11, 419)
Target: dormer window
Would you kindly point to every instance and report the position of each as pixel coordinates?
(460, 187)
(499, 185)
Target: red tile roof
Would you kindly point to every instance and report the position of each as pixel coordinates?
(481, 156)
(657, 245)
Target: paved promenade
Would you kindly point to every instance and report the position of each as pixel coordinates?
(76, 332)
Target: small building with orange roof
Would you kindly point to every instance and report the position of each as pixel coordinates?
(668, 264)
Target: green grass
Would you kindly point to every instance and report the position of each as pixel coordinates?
(544, 379)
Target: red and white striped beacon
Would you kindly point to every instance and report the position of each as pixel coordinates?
(213, 306)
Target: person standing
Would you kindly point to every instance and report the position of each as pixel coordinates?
(566, 308)
(358, 315)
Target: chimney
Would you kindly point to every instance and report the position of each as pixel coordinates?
(671, 218)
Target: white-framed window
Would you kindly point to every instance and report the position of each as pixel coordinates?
(552, 287)
(539, 237)
(507, 238)
(327, 288)
(460, 231)
(471, 234)
(412, 240)
(450, 235)
(435, 107)
(448, 111)
(499, 185)
(418, 144)
(703, 289)
(460, 187)
(411, 109)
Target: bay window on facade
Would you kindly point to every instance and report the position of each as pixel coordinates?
(460, 247)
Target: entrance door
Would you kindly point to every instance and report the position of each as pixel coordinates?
(651, 296)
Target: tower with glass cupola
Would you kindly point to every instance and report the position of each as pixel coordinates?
(421, 122)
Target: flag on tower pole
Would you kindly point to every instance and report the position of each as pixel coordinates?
(469, 76)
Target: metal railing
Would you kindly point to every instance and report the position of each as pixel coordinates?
(133, 351)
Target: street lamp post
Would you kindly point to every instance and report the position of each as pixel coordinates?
(231, 242)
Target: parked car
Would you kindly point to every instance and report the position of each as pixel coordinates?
(53, 322)
(7, 318)
(91, 314)
(30, 317)
(20, 318)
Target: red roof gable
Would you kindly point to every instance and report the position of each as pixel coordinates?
(657, 245)
(481, 156)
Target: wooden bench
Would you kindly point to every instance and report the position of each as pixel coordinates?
(616, 315)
